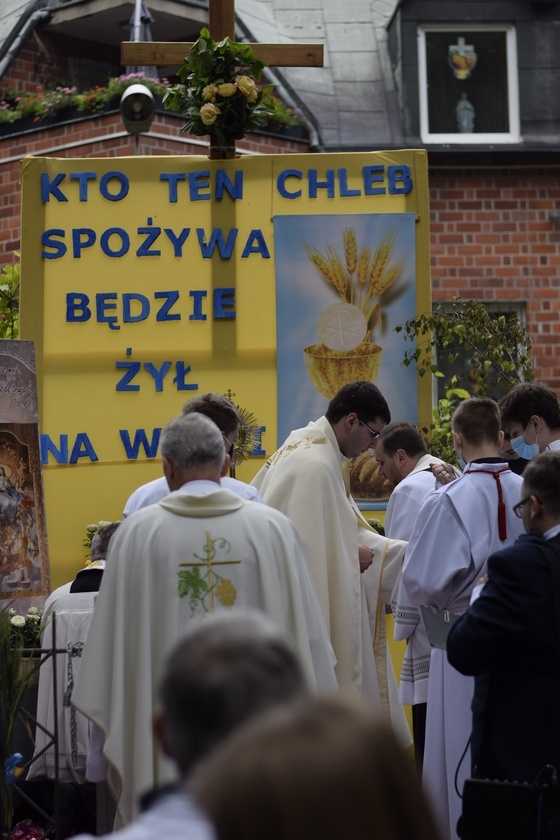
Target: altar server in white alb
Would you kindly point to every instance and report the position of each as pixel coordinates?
(354, 569)
(73, 605)
(457, 528)
(225, 415)
(404, 459)
(201, 549)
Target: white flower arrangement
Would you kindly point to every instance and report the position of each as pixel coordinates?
(25, 630)
(92, 529)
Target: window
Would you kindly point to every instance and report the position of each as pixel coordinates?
(468, 84)
(86, 73)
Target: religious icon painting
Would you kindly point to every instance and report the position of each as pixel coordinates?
(24, 568)
(462, 58)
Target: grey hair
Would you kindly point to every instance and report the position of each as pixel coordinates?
(100, 541)
(193, 441)
(229, 668)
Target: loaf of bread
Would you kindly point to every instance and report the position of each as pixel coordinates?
(365, 481)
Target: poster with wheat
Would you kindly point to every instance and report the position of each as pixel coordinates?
(343, 283)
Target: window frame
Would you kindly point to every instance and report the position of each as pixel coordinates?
(514, 134)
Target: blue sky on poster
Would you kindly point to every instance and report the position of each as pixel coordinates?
(302, 294)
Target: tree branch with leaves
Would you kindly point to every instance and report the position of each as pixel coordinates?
(496, 349)
(9, 300)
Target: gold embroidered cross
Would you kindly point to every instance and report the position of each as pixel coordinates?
(199, 588)
(221, 23)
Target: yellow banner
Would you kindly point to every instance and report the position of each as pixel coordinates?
(148, 280)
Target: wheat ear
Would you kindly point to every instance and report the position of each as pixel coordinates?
(381, 259)
(337, 270)
(363, 268)
(320, 263)
(388, 278)
(382, 256)
(350, 249)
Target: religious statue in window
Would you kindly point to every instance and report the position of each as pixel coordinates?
(464, 111)
(476, 81)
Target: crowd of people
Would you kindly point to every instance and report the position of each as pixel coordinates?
(236, 665)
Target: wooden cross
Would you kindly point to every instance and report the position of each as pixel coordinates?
(221, 19)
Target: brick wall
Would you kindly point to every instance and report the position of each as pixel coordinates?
(35, 66)
(102, 137)
(495, 236)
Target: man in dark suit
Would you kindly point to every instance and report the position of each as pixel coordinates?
(508, 639)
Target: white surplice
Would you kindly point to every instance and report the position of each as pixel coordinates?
(455, 532)
(199, 550)
(304, 479)
(402, 509)
(156, 490)
(74, 612)
(405, 500)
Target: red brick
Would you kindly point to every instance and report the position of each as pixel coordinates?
(486, 260)
(503, 226)
(471, 227)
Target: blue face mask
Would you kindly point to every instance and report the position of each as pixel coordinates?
(460, 460)
(523, 449)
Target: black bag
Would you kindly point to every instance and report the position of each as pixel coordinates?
(494, 810)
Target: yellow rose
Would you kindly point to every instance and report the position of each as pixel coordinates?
(251, 97)
(227, 89)
(247, 86)
(209, 113)
(209, 92)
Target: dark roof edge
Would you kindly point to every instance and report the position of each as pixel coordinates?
(481, 156)
(24, 23)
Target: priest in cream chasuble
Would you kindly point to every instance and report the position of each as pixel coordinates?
(200, 550)
(306, 480)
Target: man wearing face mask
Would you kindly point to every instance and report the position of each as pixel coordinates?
(531, 417)
(458, 527)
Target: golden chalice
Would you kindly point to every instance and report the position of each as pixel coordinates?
(330, 369)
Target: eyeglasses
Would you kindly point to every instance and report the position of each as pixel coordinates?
(518, 508)
(229, 445)
(373, 433)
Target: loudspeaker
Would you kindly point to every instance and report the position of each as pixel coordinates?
(137, 109)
